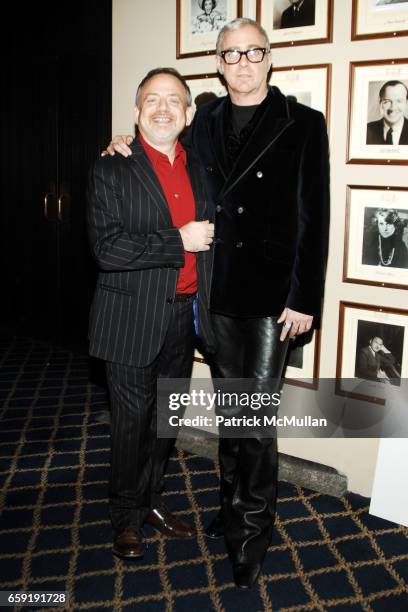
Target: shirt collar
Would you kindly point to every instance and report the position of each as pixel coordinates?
(157, 156)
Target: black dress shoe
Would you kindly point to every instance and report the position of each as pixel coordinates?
(215, 529)
(246, 574)
(164, 521)
(128, 544)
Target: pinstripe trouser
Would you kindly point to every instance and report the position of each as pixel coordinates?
(138, 457)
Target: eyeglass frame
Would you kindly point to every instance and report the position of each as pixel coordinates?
(264, 50)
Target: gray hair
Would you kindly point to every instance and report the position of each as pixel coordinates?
(236, 24)
(171, 72)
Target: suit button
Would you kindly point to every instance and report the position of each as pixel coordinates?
(239, 245)
(259, 174)
(240, 210)
(218, 208)
(169, 300)
(210, 169)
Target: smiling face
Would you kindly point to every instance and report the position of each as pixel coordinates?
(162, 111)
(208, 6)
(394, 104)
(246, 81)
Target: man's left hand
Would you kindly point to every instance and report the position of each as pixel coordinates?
(294, 323)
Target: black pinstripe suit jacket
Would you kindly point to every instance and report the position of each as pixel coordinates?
(139, 253)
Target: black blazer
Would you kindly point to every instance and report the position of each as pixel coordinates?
(272, 208)
(375, 133)
(368, 364)
(304, 17)
(139, 253)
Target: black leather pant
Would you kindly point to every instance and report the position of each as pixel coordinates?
(248, 348)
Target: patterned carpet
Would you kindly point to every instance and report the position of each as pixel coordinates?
(327, 553)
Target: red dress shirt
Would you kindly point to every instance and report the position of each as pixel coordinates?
(176, 186)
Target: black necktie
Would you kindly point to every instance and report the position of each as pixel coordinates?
(388, 139)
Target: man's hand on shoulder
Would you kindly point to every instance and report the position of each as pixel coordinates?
(294, 323)
(119, 144)
(197, 236)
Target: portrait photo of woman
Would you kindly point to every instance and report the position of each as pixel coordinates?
(211, 19)
(385, 236)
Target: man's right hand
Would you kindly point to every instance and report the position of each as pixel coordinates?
(197, 236)
(119, 144)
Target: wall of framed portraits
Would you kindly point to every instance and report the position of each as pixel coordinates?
(337, 59)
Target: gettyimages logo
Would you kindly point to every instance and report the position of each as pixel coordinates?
(208, 401)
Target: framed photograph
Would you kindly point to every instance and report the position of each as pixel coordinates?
(296, 22)
(204, 87)
(379, 19)
(376, 237)
(198, 24)
(302, 365)
(309, 85)
(372, 351)
(378, 112)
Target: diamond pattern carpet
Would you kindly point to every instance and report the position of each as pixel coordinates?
(327, 553)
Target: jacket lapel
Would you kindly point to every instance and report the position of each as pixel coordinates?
(197, 184)
(143, 169)
(404, 133)
(271, 125)
(204, 212)
(216, 135)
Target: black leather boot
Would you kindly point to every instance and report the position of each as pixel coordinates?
(246, 574)
(247, 560)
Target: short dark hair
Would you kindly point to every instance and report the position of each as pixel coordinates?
(391, 216)
(204, 97)
(391, 84)
(213, 2)
(171, 72)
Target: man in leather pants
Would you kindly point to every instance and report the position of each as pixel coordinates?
(266, 163)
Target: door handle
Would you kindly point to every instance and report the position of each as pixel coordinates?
(46, 203)
(60, 207)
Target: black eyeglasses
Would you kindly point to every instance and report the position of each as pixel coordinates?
(233, 56)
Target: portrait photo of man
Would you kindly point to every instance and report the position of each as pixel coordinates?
(379, 352)
(392, 106)
(299, 14)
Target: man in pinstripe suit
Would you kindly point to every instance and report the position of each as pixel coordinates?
(150, 234)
